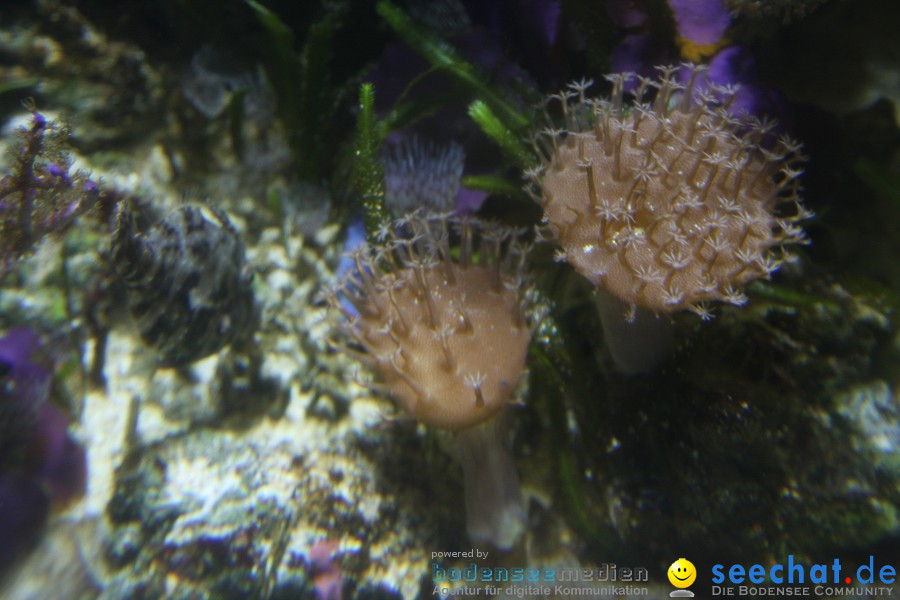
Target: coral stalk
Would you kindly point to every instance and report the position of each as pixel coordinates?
(448, 338)
(495, 509)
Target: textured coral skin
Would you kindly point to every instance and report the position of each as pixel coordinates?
(447, 337)
(189, 284)
(490, 341)
(670, 204)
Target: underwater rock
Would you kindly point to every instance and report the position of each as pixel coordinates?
(306, 206)
(118, 95)
(189, 284)
(245, 515)
(165, 516)
(66, 563)
(872, 409)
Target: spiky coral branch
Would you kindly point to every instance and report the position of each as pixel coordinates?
(40, 195)
(368, 171)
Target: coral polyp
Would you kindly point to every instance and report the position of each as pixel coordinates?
(447, 338)
(447, 333)
(669, 202)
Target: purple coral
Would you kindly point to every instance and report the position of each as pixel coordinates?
(59, 462)
(24, 387)
(628, 13)
(702, 26)
(701, 21)
(639, 54)
(41, 195)
(731, 80)
(735, 66)
(27, 380)
(25, 508)
(327, 579)
(40, 464)
(524, 30)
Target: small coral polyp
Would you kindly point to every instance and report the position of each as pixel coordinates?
(671, 201)
(447, 337)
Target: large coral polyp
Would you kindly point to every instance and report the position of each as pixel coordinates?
(447, 337)
(446, 329)
(670, 201)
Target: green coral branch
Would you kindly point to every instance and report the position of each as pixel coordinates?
(17, 85)
(445, 57)
(302, 82)
(497, 130)
(403, 114)
(316, 105)
(786, 296)
(367, 178)
(493, 185)
(282, 62)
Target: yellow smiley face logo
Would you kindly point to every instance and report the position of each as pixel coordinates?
(682, 573)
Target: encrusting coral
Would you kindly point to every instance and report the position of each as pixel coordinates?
(671, 201)
(448, 339)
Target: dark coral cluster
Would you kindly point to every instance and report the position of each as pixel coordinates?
(189, 285)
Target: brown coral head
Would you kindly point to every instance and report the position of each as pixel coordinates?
(446, 331)
(668, 201)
